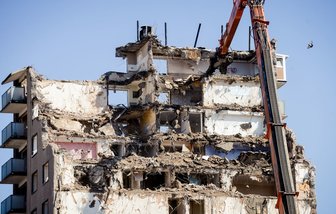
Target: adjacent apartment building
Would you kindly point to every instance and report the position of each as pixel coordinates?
(186, 139)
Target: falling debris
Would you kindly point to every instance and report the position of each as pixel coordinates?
(310, 45)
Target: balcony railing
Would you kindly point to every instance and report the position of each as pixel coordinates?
(13, 167)
(13, 204)
(14, 135)
(14, 100)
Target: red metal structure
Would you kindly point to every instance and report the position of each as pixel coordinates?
(275, 127)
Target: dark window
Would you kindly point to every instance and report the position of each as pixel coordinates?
(127, 180)
(119, 150)
(182, 177)
(45, 172)
(198, 178)
(204, 179)
(198, 149)
(153, 181)
(137, 94)
(176, 206)
(34, 182)
(195, 120)
(168, 121)
(45, 207)
(196, 207)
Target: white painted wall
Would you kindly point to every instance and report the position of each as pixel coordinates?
(226, 179)
(246, 94)
(78, 202)
(228, 122)
(137, 203)
(144, 58)
(64, 172)
(176, 66)
(242, 68)
(82, 98)
(223, 205)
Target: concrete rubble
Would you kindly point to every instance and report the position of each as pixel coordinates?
(189, 140)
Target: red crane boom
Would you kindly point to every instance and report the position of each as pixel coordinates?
(275, 127)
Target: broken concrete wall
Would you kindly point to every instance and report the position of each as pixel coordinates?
(134, 93)
(80, 150)
(105, 181)
(148, 88)
(75, 126)
(246, 94)
(242, 69)
(228, 122)
(142, 202)
(148, 122)
(305, 180)
(226, 179)
(139, 92)
(64, 172)
(80, 98)
(137, 203)
(76, 108)
(190, 97)
(180, 67)
(77, 202)
(139, 58)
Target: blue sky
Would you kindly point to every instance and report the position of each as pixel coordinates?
(77, 40)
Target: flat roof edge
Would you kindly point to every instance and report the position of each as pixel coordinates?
(16, 75)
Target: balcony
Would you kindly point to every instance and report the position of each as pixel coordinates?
(13, 171)
(14, 100)
(13, 204)
(14, 136)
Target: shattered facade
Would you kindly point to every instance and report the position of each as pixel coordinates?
(188, 140)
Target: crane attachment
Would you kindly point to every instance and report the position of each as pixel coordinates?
(275, 127)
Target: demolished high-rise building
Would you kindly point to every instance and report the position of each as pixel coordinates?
(186, 141)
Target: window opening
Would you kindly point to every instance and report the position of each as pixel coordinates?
(45, 172)
(279, 62)
(119, 150)
(176, 206)
(195, 120)
(34, 182)
(153, 181)
(161, 66)
(45, 207)
(196, 207)
(117, 97)
(34, 145)
(246, 184)
(163, 98)
(127, 180)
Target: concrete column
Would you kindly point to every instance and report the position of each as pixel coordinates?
(148, 122)
(137, 177)
(121, 150)
(168, 179)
